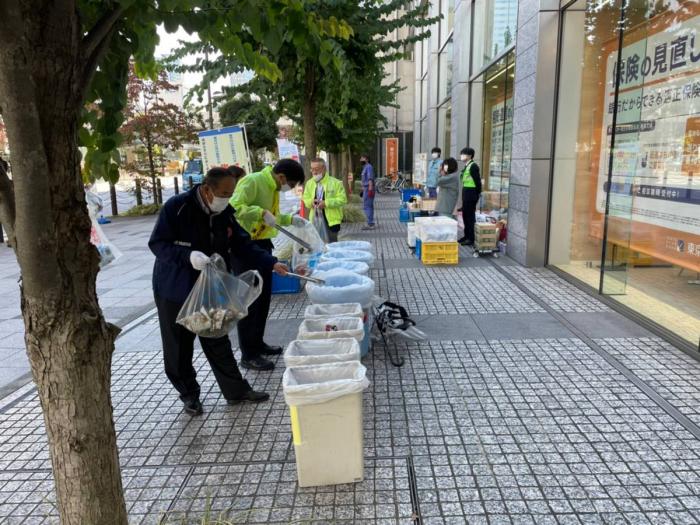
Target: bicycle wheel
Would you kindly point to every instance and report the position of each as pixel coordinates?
(383, 185)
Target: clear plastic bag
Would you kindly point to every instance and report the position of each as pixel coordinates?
(351, 245)
(315, 384)
(322, 311)
(351, 266)
(348, 255)
(341, 286)
(219, 299)
(304, 261)
(319, 224)
(332, 328)
(107, 250)
(317, 351)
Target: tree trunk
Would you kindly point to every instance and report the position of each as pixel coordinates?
(336, 168)
(68, 342)
(151, 168)
(309, 117)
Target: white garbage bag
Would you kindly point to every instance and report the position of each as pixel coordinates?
(351, 266)
(318, 351)
(332, 328)
(341, 286)
(351, 245)
(315, 384)
(322, 311)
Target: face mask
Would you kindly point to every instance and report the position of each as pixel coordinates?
(218, 204)
(464, 158)
(435, 155)
(318, 178)
(285, 187)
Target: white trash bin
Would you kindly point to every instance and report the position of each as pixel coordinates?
(325, 408)
(322, 311)
(332, 328)
(321, 351)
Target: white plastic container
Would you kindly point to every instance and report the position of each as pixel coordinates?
(437, 229)
(332, 328)
(411, 238)
(321, 351)
(358, 267)
(325, 408)
(364, 246)
(348, 255)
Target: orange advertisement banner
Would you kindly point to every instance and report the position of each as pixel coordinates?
(391, 155)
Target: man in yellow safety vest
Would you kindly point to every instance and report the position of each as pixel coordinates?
(471, 189)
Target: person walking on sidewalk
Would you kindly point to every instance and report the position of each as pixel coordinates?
(368, 191)
(471, 190)
(325, 195)
(190, 228)
(448, 183)
(431, 181)
(256, 202)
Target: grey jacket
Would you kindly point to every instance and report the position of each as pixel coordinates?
(448, 193)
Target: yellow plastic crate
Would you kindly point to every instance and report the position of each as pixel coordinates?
(439, 253)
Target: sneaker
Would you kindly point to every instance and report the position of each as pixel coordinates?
(270, 350)
(258, 363)
(251, 396)
(193, 406)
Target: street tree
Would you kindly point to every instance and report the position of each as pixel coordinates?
(152, 125)
(63, 75)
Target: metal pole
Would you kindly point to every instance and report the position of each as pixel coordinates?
(113, 198)
(177, 187)
(159, 192)
(247, 149)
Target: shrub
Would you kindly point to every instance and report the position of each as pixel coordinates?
(142, 210)
(353, 213)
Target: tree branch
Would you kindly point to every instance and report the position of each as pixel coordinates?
(7, 205)
(100, 32)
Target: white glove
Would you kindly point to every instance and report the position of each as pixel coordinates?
(299, 222)
(269, 219)
(198, 260)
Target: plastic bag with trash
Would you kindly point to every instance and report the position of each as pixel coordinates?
(304, 261)
(107, 250)
(219, 299)
(320, 225)
(351, 245)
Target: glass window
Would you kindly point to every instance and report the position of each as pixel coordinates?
(445, 128)
(494, 29)
(625, 203)
(445, 80)
(447, 9)
(497, 132)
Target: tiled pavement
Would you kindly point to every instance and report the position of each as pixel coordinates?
(530, 403)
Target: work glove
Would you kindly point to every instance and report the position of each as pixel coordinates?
(269, 219)
(299, 222)
(198, 260)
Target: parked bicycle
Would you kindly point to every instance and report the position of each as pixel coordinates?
(387, 184)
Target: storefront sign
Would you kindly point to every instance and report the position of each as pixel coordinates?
(655, 186)
(287, 149)
(224, 147)
(391, 156)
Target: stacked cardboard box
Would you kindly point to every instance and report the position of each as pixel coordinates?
(486, 236)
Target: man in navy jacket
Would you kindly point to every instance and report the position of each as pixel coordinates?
(191, 227)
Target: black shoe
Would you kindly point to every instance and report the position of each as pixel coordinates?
(461, 240)
(257, 363)
(270, 350)
(250, 395)
(193, 406)
(467, 243)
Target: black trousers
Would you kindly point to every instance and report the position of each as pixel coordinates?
(178, 350)
(251, 329)
(470, 198)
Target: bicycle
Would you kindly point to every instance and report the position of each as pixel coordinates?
(386, 184)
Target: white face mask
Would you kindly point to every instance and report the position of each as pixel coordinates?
(435, 155)
(318, 178)
(218, 204)
(464, 158)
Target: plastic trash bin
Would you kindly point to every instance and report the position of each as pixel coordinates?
(332, 328)
(321, 351)
(348, 255)
(325, 408)
(341, 286)
(322, 311)
(351, 245)
(351, 266)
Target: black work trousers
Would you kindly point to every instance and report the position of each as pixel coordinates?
(470, 198)
(178, 350)
(251, 329)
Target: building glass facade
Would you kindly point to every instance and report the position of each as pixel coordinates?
(625, 213)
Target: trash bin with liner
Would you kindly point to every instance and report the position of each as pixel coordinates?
(364, 246)
(348, 255)
(332, 328)
(351, 266)
(322, 311)
(325, 408)
(321, 351)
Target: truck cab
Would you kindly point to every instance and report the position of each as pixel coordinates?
(193, 172)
